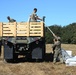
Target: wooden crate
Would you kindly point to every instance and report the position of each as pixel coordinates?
(22, 29)
(9, 29)
(36, 29)
(0, 29)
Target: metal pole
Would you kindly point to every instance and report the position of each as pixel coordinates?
(50, 30)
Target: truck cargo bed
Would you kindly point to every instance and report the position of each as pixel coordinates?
(22, 29)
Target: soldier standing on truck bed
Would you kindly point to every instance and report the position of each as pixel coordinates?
(57, 49)
(10, 19)
(34, 17)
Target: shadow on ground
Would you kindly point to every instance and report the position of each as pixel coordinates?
(48, 58)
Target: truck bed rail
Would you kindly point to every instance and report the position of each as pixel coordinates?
(22, 29)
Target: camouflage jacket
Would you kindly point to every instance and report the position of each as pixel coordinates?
(33, 17)
(57, 45)
(12, 20)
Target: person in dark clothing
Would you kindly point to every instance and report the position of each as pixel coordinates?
(10, 19)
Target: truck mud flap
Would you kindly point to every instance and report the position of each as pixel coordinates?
(38, 49)
(8, 52)
(37, 53)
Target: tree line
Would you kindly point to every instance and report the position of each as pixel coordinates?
(67, 33)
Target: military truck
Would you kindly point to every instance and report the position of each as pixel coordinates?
(22, 38)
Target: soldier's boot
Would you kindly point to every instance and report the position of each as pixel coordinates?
(54, 61)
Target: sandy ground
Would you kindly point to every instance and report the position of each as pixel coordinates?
(39, 68)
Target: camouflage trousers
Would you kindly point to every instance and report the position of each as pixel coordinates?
(57, 55)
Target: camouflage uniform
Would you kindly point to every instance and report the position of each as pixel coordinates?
(12, 20)
(57, 51)
(33, 17)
